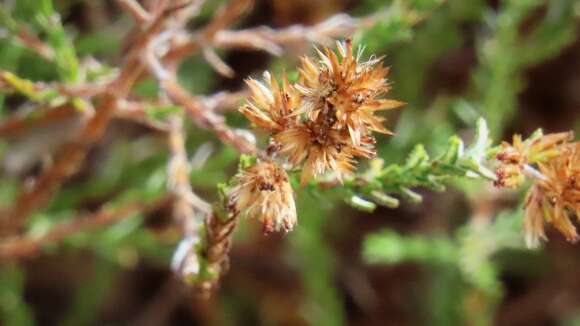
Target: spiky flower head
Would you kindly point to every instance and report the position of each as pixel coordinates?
(271, 105)
(555, 197)
(347, 88)
(324, 122)
(515, 156)
(263, 192)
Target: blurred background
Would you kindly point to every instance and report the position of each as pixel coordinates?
(456, 258)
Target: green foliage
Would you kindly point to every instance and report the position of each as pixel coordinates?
(505, 54)
(420, 170)
(313, 255)
(90, 295)
(14, 311)
(470, 254)
(389, 247)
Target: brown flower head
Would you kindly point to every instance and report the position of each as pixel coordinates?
(513, 157)
(346, 88)
(555, 196)
(319, 150)
(325, 121)
(262, 191)
(271, 106)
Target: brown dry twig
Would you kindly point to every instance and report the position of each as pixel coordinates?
(203, 116)
(138, 13)
(273, 40)
(186, 201)
(134, 110)
(71, 155)
(226, 16)
(30, 41)
(206, 118)
(23, 246)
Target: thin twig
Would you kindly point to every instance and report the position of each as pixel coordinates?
(131, 110)
(200, 114)
(273, 40)
(133, 8)
(71, 155)
(206, 118)
(186, 201)
(532, 173)
(23, 246)
(227, 15)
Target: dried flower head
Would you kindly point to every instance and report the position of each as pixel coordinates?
(347, 89)
(325, 121)
(262, 191)
(555, 196)
(271, 106)
(536, 149)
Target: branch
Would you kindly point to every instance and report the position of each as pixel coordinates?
(206, 118)
(202, 115)
(272, 40)
(420, 170)
(20, 247)
(134, 9)
(178, 182)
(71, 155)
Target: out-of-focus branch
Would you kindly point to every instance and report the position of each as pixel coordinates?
(206, 118)
(178, 170)
(224, 101)
(22, 35)
(273, 40)
(67, 162)
(201, 115)
(19, 124)
(23, 246)
(32, 42)
(71, 155)
(225, 17)
(133, 8)
(131, 110)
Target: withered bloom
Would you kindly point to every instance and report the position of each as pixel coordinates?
(325, 121)
(553, 165)
(513, 157)
(271, 106)
(558, 193)
(347, 89)
(262, 191)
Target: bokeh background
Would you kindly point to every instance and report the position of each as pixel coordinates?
(456, 258)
